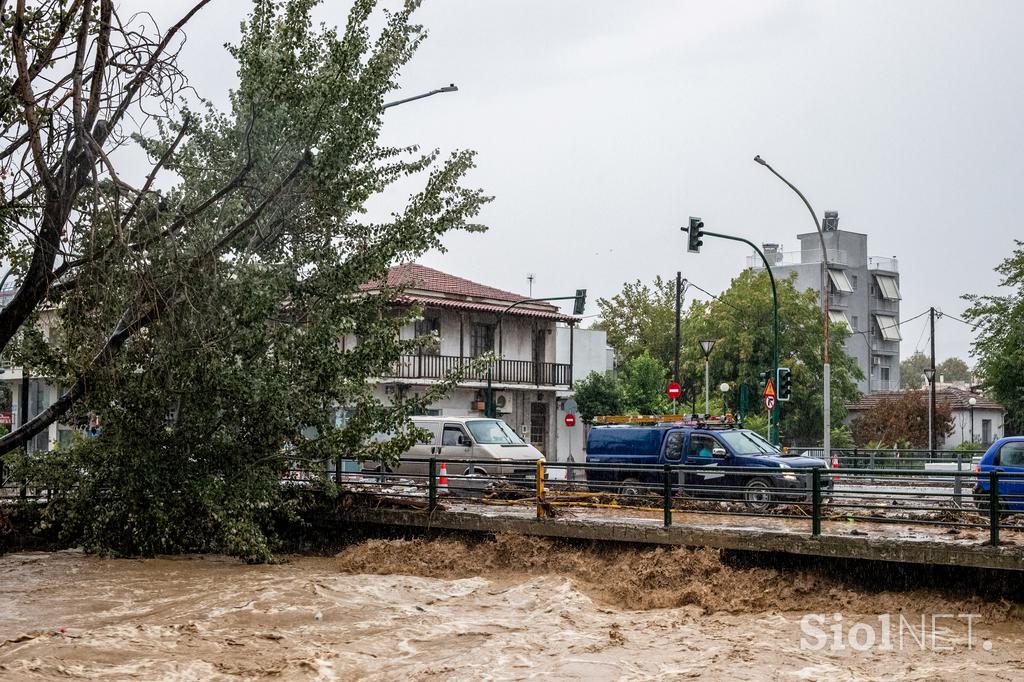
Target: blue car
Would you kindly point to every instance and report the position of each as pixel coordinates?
(695, 455)
(1006, 455)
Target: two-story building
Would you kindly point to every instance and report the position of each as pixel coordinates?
(472, 319)
(864, 294)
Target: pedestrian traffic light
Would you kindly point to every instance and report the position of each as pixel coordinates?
(581, 302)
(696, 235)
(785, 383)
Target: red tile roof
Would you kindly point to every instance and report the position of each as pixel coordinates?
(428, 286)
(956, 398)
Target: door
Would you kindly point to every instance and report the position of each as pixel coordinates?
(699, 475)
(424, 449)
(456, 448)
(1010, 460)
(539, 427)
(540, 340)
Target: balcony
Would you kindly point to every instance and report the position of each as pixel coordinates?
(883, 386)
(784, 258)
(880, 263)
(524, 372)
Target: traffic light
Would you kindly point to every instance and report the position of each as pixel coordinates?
(581, 302)
(763, 376)
(696, 235)
(785, 383)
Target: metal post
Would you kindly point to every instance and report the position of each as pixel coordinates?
(432, 486)
(931, 396)
(707, 392)
(540, 489)
(816, 501)
(957, 483)
(667, 494)
(993, 508)
(679, 307)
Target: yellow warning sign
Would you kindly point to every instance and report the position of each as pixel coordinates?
(769, 389)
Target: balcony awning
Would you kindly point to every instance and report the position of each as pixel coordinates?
(474, 306)
(840, 281)
(839, 317)
(889, 326)
(888, 286)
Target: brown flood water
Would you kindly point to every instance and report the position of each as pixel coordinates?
(513, 608)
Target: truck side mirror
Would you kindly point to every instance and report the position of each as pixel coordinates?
(718, 452)
(465, 441)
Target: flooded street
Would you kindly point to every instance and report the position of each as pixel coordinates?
(514, 608)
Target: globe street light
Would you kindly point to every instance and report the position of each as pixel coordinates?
(448, 88)
(827, 365)
(724, 388)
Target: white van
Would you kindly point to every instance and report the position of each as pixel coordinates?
(468, 446)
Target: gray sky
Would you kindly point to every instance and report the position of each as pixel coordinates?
(602, 125)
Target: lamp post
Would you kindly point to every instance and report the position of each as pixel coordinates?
(929, 375)
(706, 346)
(827, 365)
(448, 88)
(972, 401)
(724, 388)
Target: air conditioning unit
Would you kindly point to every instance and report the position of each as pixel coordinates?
(876, 361)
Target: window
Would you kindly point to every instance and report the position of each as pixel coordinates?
(888, 289)
(481, 339)
(426, 327)
(855, 323)
(451, 435)
(493, 432)
(702, 446)
(889, 327)
(1012, 455)
(838, 317)
(883, 373)
(674, 445)
(840, 281)
(986, 430)
(853, 282)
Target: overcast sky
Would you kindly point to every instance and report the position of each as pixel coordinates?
(602, 125)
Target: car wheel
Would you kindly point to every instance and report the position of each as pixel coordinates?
(630, 488)
(758, 494)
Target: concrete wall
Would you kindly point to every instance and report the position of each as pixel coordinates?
(962, 426)
(591, 353)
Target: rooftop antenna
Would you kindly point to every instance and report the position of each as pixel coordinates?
(529, 278)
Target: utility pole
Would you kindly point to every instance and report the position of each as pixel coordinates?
(931, 397)
(679, 308)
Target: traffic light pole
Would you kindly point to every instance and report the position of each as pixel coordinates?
(774, 430)
(490, 411)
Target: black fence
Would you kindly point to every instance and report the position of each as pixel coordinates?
(502, 371)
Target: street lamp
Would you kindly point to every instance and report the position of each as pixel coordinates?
(929, 375)
(706, 346)
(827, 366)
(448, 88)
(972, 401)
(724, 388)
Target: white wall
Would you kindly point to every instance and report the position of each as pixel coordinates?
(590, 354)
(962, 426)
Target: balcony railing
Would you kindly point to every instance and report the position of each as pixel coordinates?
(502, 371)
(881, 263)
(784, 258)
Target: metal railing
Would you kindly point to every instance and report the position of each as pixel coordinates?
(503, 371)
(936, 502)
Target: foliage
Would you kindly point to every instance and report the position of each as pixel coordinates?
(641, 319)
(598, 394)
(999, 344)
(643, 386)
(842, 437)
(953, 369)
(203, 322)
(969, 446)
(912, 370)
(902, 418)
(758, 423)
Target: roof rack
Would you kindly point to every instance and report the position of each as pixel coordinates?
(692, 420)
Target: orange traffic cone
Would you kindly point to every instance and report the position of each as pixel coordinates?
(442, 479)
(835, 465)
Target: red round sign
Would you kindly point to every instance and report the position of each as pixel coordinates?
(674, 390)
(570, 419)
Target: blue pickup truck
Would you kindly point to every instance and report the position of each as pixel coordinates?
(697, 456)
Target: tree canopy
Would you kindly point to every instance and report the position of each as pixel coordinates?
(901, 419)
(950, 370)
(999, 340)
(198, 308)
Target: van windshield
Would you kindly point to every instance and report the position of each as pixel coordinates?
(493, 432)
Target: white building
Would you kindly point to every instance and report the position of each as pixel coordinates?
(535, 368)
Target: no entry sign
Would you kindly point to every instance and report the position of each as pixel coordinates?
(674, 390)
(570, 419)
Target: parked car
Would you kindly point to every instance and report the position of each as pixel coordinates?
(1005, 455)
(469, 446)
(697, 453)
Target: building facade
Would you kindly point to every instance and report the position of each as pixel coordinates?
(864, 294)
(472, 319)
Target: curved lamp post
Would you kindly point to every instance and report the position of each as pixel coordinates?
(827, 368)
(448, 88)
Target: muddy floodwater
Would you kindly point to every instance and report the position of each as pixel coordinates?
(511, 608)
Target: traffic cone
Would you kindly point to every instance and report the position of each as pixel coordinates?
(442, 479)
(835, 465)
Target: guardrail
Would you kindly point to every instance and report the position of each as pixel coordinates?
(948, 500)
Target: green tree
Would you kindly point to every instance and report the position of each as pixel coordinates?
(999, 340)
(643, 384)
(641, 319)
(902, 418)
(912, 370)
(598, 394)
(953, 369)
(202, 322)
